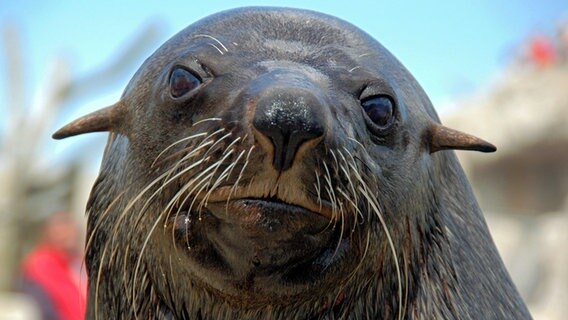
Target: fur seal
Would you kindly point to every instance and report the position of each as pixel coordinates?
(272, 163)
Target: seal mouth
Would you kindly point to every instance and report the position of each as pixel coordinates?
(292, 204)
(259, 217)
(263, 217)
(253, 235)
(268, 217)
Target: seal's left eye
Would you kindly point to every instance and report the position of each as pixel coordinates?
(183, 81)
(380, 109)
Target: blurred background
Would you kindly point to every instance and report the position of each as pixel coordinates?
(495, 69)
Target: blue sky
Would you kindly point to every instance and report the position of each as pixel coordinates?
(451, 47)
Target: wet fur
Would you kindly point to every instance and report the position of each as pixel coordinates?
(419, 244)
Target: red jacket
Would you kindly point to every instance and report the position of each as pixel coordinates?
(54, 272)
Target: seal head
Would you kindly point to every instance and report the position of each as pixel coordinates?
(278, 163)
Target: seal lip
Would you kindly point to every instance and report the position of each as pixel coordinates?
(269, 217)
(225, 195)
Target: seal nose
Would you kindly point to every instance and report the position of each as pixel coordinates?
(289, 118)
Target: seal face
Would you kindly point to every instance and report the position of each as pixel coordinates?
(280, 163)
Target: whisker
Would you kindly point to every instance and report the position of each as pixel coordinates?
(205, 120)
(184, 188)
(240, 174)
(342, 227)
(351, 187)
(98, 282)
(228, 147)
(212, 38)
(102, 217)
(334, 158)
(162, 186)
(194, 152)
(234, 164)
(214, 46)
(372, 202)
(374, 207)
(217, 142)
(176, 143)
(331, 193)
(218, 180)
(356, 141)
(354, 68)
(138, 262)
(205, 183)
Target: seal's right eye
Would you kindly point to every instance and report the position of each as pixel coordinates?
(182, 81)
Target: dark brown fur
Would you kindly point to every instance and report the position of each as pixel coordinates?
(399, 233)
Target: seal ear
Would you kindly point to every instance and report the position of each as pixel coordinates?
(106, 119)
(444, 138)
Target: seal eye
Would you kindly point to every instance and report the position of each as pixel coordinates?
(182, 81)
(379, 109)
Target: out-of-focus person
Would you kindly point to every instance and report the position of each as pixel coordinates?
(51, 272)
(542, 51)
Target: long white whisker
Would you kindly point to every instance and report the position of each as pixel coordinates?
(240, 175)
(352, 187)
(234, 164)
(214, 46)
(141, 254)
(176, 143)
(205, 120)
(318, 188)
(219, 179)
(357, 142)
(372, 202)
(212, 38)
(183, 190)
(204, 142)
(329, 188)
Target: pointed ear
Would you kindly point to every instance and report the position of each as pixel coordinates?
(443, 138)
(107, 119)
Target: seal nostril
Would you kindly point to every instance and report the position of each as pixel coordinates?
(289, 120)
